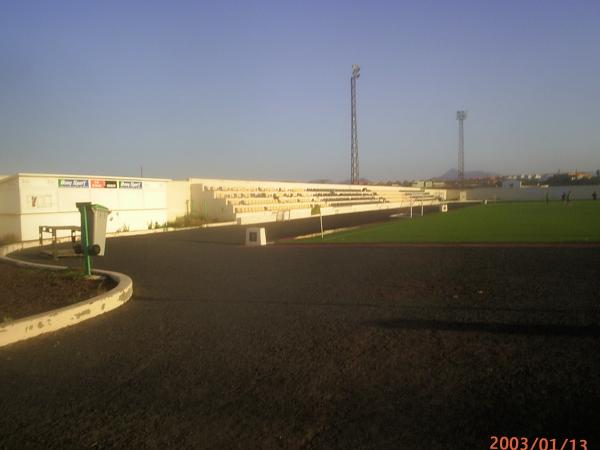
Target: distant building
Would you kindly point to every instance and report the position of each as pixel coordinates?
(422, 183)
(511, 184)
(580, 175)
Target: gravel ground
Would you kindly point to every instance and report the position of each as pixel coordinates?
(224, 346)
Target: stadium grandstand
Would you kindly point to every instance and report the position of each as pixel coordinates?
(264, 201)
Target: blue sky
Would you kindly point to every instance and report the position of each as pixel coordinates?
(262, 89)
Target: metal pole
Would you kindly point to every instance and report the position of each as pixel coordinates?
(461, 155)
(461, 116)
(421, 208)
(354, 173)
(85, 239)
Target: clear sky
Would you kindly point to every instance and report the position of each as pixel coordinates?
(262, 89)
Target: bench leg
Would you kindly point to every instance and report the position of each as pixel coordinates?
(54, 249)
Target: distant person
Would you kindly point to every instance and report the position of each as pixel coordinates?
(594, 195)
(568, 197)
(563, 196)
(547, 197)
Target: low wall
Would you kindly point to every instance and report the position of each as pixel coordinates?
(532, 193)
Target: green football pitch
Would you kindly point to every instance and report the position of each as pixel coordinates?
(532, 222)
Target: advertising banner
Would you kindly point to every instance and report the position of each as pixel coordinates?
(104, 184)
(73, 183)
(129, 184)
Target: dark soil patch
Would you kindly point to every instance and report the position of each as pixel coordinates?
(25, 292)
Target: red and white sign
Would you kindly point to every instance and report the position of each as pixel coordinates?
(108, 184)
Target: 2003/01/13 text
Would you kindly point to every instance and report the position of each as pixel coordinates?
(538, 443)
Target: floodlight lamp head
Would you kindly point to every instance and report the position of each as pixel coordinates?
(461, 115)
(355, 70)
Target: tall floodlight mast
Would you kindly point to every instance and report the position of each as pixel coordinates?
(353, 127)
(461, 116)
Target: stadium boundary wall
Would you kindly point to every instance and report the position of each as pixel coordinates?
(532, 193)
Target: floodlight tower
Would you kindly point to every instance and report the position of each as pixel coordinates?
(353, 127)
(461, 116)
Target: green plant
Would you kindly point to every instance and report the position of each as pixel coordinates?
(186, 221)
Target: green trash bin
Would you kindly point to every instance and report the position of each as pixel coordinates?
(93, 232)
(97, 228)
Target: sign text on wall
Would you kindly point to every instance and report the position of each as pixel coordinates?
(72, 183)
(129, 184)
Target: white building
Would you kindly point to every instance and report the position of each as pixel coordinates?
(28, 201)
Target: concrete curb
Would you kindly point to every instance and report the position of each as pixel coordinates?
(326, 232)
(28, 327)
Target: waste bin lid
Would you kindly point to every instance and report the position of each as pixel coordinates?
(100, 207)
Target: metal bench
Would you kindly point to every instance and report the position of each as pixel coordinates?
(51, 229)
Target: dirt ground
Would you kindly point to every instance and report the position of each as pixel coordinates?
(296, 347)
(25, 292)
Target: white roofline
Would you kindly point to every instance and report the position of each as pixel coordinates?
(65, 175)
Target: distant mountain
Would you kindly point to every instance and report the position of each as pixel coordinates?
(452, 174)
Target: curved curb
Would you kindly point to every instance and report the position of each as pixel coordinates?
(28, 327)
(582, 245)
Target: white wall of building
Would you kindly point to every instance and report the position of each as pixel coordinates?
(135, 204)
(178, 199)
(10, 224)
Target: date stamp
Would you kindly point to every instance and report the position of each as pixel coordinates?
(537, 443)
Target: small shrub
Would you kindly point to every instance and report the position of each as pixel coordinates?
(186, 221)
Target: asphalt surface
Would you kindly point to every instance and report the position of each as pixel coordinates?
(224, 346)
